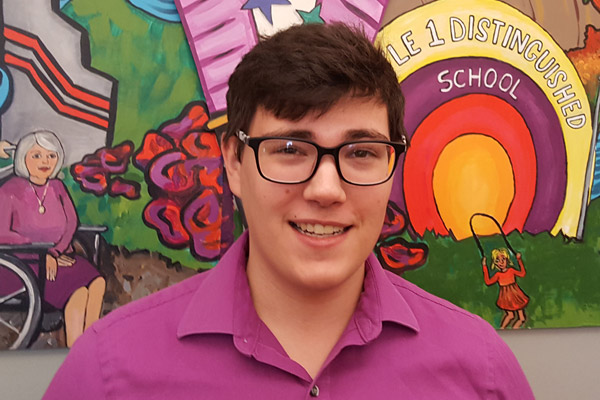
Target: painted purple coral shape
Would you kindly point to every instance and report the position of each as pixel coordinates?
(219, 34)
(364, 13)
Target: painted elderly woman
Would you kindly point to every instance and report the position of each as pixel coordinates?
(36, 207)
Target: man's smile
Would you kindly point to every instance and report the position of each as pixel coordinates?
(319, 230)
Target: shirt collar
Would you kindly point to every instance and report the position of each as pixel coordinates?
(212, 307)
(381, 302)
(222, 302)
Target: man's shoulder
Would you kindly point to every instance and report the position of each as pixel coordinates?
(160, 307)
(429, 307)
(138, 340)
(447, 335)
(465, 337)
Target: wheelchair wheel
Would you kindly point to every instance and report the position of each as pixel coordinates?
(21, 310)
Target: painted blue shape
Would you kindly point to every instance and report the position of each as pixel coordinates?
(4, 87)
(264, 6)
(64, 3)
(161, 9)
(596, 182)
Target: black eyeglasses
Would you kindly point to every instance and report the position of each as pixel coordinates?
(290, 160)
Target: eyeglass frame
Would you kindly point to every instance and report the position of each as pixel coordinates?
(254, 144)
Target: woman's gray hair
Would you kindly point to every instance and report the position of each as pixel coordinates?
(46, 139)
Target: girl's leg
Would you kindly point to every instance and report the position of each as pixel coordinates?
(94, 303)
(508, 316)
(75, 314)
(520, 320)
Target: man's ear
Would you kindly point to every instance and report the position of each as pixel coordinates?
(233, 165)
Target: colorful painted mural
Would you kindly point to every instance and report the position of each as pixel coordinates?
(494, 205)
(102, 77)
(503, 145)
(500, 170)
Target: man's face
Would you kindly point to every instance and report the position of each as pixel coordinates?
(315, 235)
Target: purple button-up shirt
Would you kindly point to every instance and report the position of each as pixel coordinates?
(202, 339)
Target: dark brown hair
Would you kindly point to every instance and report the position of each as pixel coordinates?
(308, 68)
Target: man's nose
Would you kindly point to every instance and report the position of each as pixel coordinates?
(326, 186)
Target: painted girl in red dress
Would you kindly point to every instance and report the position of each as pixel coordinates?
(511, 298)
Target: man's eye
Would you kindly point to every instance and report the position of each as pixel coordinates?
(366, 152)
(289, 150)
(360, 153)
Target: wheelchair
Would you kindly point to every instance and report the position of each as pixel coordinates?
(23, 311)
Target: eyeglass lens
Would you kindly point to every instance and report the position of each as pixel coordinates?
(290, 161)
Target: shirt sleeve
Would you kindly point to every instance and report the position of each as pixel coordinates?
(509, 381)
(72, 220)
(80, 375)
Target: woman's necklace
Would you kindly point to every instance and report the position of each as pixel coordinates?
(41, 209)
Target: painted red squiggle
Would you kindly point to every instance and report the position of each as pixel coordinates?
(395, 252)
(95, 173)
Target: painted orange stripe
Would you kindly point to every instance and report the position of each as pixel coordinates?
(474, 113)
(34, 44)
(63, 108)
(473, 172)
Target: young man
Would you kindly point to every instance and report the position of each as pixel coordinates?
(299, 307)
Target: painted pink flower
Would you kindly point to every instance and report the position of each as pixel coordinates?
(96, 172)
(183, 168)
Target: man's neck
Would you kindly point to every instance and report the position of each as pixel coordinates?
(306, 324)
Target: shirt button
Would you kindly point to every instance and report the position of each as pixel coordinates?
(314, 392)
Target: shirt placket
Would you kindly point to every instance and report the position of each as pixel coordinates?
(320, 387)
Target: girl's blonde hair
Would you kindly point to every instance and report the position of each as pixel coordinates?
(505, 253)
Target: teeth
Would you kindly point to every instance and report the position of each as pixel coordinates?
(319, 230)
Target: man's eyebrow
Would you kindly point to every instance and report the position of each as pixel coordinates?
(352, 134)
(291, 133)
(357, 134)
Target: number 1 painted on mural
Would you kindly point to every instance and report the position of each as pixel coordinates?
(435, 39)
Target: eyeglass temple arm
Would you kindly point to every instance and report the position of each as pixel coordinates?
(243, 137)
